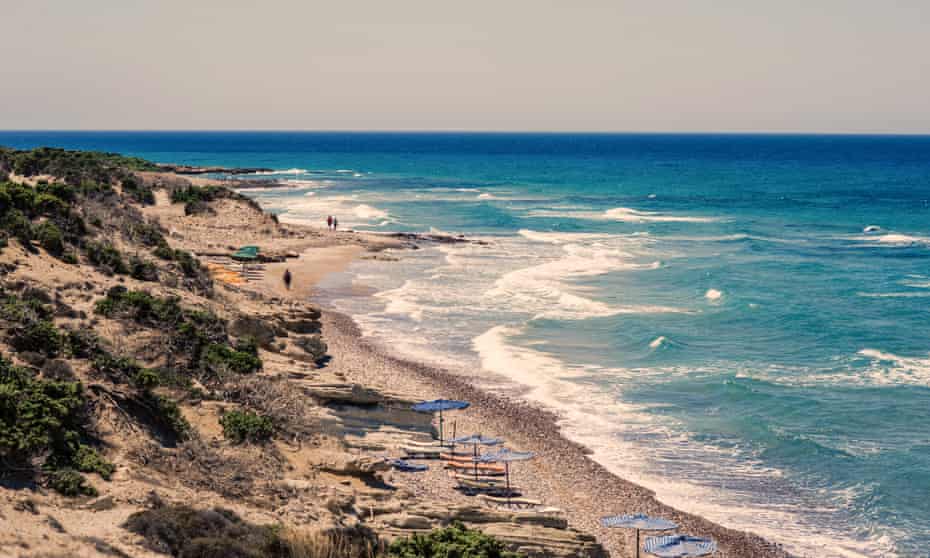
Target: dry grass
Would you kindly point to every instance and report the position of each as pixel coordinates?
(276, 398)
(356, 543)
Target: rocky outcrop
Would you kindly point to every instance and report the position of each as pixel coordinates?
(535, 535)
(352, 394)
(264, 331)
(350, 464)
(313, 346)
(191, 170)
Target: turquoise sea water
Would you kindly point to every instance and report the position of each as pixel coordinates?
(741, 323)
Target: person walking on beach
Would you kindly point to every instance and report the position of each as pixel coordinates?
(329, 222)
(287, 279)
(335, 223)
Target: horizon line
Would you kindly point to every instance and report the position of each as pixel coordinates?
(465, 131)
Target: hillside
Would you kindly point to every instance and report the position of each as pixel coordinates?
(152, 401)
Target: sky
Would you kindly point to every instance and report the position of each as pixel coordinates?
(846, 66)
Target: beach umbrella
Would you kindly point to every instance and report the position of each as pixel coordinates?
(477, 440)
(440, 405)
(506, 457)
(679, 546)
(639, 522)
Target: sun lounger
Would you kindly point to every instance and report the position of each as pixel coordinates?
(482, 468)
(483, 486)
(425, 452)
(408, 467)
(429, 444)
(523, 504)
(457, 455)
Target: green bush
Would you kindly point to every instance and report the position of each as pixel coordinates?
(245, 426)
(140, 306)
(106, 257)
(186, 261)
(147, 233)
(137, 190)
(57, 189)
(168, 414)
(38, 417)
(69, 482)
(142, 270)
(454, 541)
(247, 344)
(50, 237)
(198, 194)
(18, 196)
(214, 533)
(39, 336)
(73, 167)
(125, 369)
(87, 460)
(47, 204)
(16, 224)
(219, 358)
(83, 343)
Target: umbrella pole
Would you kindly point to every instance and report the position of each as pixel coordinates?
(476, 460)
(637, 543)
(440, 429)
(507, 470)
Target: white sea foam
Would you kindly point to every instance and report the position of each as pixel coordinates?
(282, 171)
(368, 212)
(313, 209)
(895, 295)
(893, 240)
(485, 196)
(884, 369)
(544, 290)
(902, 239)
(917, 284)
(558, 237)
(400, 302)
(713, 295)
(871, 229)
(658, 342)
(633, 215)
(891, 369)
(624, 214)
(307, 183)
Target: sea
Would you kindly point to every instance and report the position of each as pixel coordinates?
(738, 322)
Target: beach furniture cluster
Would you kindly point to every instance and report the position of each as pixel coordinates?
(487, 476)
(484, 475)
(667, 546)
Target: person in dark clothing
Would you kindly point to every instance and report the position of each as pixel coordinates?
(287, 279)
(335, 223)
(329, 222)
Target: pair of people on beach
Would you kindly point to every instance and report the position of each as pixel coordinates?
(332, 223)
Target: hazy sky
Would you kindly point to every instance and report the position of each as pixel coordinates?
(621, 65)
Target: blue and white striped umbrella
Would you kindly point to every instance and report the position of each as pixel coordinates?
(477, 440)
(679, 546)
(506, 456)
(640, 522)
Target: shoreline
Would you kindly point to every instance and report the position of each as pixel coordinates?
(562, 475)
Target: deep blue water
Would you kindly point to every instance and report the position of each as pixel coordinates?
(739, 322)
